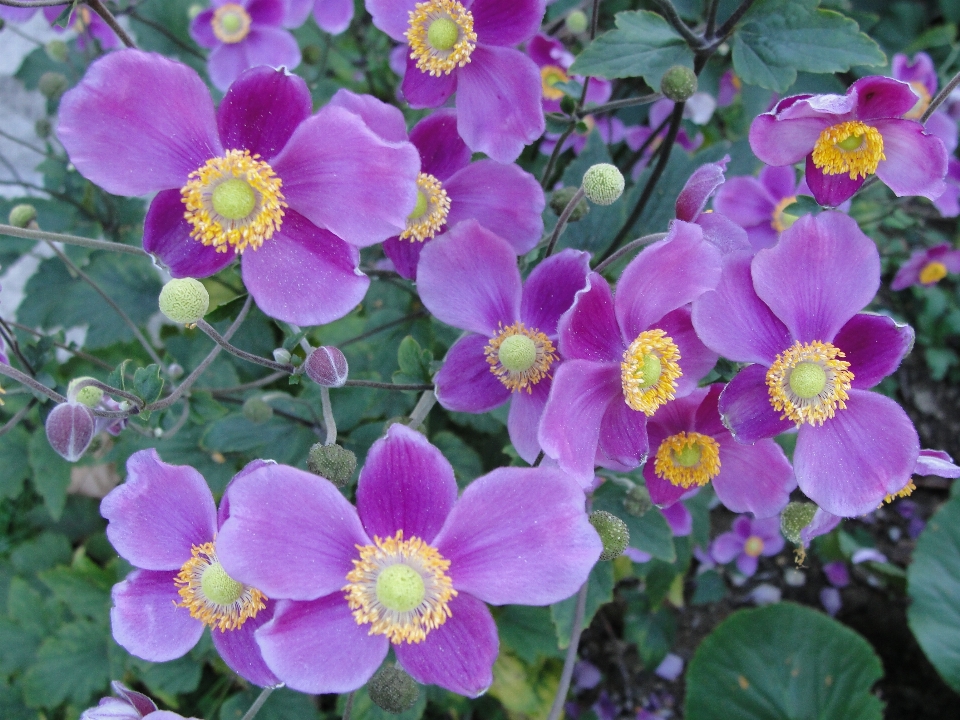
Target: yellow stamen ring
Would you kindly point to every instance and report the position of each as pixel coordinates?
(753, 547)
(923, 101)
(231, 23)
(430, 214)
(213, 597)
(233, 200)
(808, 382)
(520, 356)
(782, 220)
(550, 75)
(386, 580)
(905, 491)
(933, 272)
(688, 459)
(441, 36)
(649, 371)
(849, 148)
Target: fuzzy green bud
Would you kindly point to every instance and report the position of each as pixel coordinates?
(312, 54)
(42, 128)
(576, 22)
(603, 184)
(257, 410)
(22, 215)
(568, 105)
(393, 690)
(52, 85)
(335, 463)
(184, 301)
(612, 531)
(678, 83)
(562, 197)
(281, 355)
(57, 50)
(637, 501)
(794, 518)
(87, 395)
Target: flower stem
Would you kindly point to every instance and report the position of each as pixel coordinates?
(100, 9)
(328, 420)
(625, 103)
(422, 409)
(562, 221)
(386, 386)
(348, 707)
(940, 97)
(30, 234)
(571, 658)
(258, 703)
(632, 245)
(673, 17)
(242, 354)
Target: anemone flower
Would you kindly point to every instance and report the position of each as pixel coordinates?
(553, 59)
(127, 705)
(927, 267)
(747, 541)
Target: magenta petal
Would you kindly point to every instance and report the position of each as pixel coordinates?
(458, 655)
(385, 120)
(944, 127)
(822, 523)
(936, 462)
(589, 329)
(504, 199)
(166, 236)
(506, 22)
(747, 564)
(699, 187)
(724, 234)
(261, 110)
(830, 190)
(266, 12)
(663, 493)
(779, 182)
(916, 162)
(874, 345)
(746, 409)
(551, 287)
(468, 278)
(726, 547)
(745, 201)
(303, 274)
(333, 16)
(391, 16)
(499, 108)
(823, 271)
(290, 534)
(678, 518)
(696, 359)
(623, 437)
(138, 123)
(882, 97)
(240, 651)
(442, 150)
(146, 621)
(318, 647)
(272, 46)
(406, 484)
(851, 462)
(520, 536)
(423, 90)
(785, 142)
(665, 276)
(339, 175)
(405, 255)
(523, 421)
(226, 63)
(465, 383)
(159, 513)
(753, 478)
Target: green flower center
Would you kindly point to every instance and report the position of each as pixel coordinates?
(234, 199)
(688, 456)
(753, 546)
(443, 33)
(807, 380)
(851, 143)
(219, 587)
(231, 22)
(651, 371)
(400, 588)
(420, 208)
(517, 353)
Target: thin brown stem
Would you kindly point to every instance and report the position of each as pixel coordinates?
(735, 17)
(940, 97)
(626, 249)
(242, 354)
(562, 221)
(17, 417)
(558, 148)
(34, 4)
(30, 234)
(673, 17)
(625, 103)
(386, 386)
(100, 9)
(567, 674)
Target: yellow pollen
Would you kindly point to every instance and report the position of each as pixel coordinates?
(366, 594)
(430, 213)
(231, 23)
(649, 371)
(753, 546)
(550, 75)
(782, 220)
(933, 272)
(849, 148)
(903, 492)
(232, 603)
(808, 382)
(213, 214)
(431, 36)
(688, 459)
(82, 21)
(923, 100)
(520, 378)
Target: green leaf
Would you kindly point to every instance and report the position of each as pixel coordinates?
(15, 464)
(51, 474)
(116, 376)
(599, 593)
(653, 632)
(783, 661)
(528, 632)
(84, 588)
(171, 678)
(710, 588)
(933, 583)
(147, 384)
(466, 461)
(72, 665)
(414, 362)
(780, 37)
(649, 533)
(283, 704)
(643, 45)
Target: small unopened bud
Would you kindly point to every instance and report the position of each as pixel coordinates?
(568, 104)
(637, 501)
(312, 54)
(678, 83)
(175, 370)
(22, 215)
(42, 128)
(87, 395)
(391, 689)
(184, 301)
(603, 184)
(281, 355)
(326, 366)
(52, 85)
(612, 531)
(57, 50)
(257, 410)
(70, 428)
(334, 462)
(562, 197)
(794, 518)
(576, 22)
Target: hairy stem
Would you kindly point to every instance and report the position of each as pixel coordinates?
(100, 9)
(571, 658)
(30, 234)
(258, 703)
(632, 245)
(562, 221)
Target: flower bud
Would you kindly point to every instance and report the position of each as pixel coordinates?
(52, 85)
(637, 501)
(184, 301)
(326, 366)
(312, 54)
(391, 689)
(281, 355)
(42, 128)
(335, 463)
(257, 410)
(70, 429)
(794, 518)
(603, 183)
(612, 531)
(562, 197)
(576, 22)
(57, 50)
(22, 215)
(175, 371)
(678, 83)
(87, 395)
(568, 104)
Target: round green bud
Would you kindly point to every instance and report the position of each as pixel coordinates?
(87, 395)
(794, 518)
(312, 54)
(562, 197)
(52, 85)
(392, 690)
(568, 105)
(678, 83)
(281, 355)
(576, 22)
(443, 33)
(637, 501)
(43, 128)
(22, 215)
(57, 50)
(257, 410)
(603, 184)
(612, 531)
(184, 301)
(335, 463)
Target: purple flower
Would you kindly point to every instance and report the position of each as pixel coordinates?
(163, 521)
(730, 86)
(468, 48)
(837, 573)
(128, 705)
(553, 59)
(625, 357)
(846, 138)
(86, 23)
(822, 523)
(610, 129)
(411, 566)
(927, 267)
(921, 75)
(333, 16)
(243, 34)
(468, 278)
(831, 600)
(793, 312)
(718, 229)
(678, 518)
(257, 178)
(689, 447)
(747, 541)
(639, 135)
(936, 462)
